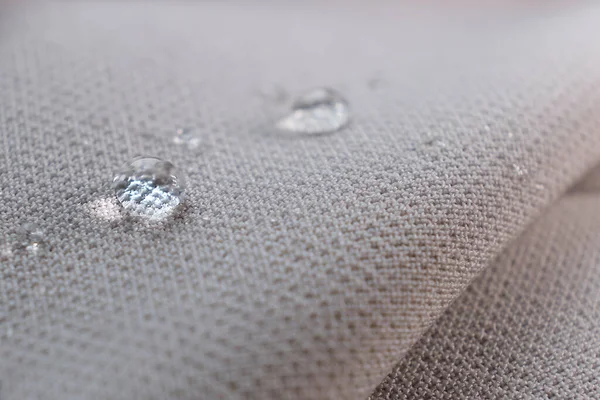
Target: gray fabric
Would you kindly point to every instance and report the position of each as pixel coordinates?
(528, 328)
(301, 267)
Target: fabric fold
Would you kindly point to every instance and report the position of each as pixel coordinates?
(301, 267)
(528, 326)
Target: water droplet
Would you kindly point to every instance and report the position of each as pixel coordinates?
(187, 137)
(30, 237)
(149, 188)
(519, 170)
(434, 141)
(317, 111)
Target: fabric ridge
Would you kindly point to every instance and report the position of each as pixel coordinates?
(300, 267)
(527, 327)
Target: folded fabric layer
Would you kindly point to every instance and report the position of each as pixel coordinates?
(527, 328)
(302, 267)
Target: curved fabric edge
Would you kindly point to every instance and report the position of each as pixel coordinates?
(527, 327)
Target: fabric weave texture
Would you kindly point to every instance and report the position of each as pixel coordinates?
(528, 327)
(301, 267)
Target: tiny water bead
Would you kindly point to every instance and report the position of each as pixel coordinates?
(519, 170)
(149, 188)
(321, 110)
(29, 238)
(187, 137)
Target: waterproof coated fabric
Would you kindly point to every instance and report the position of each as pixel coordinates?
(300, 267)
(527, 328)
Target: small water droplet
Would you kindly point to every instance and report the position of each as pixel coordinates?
(149, 188)
(187, 137)
(510, 134)
(434, 141)
(320, 110)
(30, 237)
(519, 170)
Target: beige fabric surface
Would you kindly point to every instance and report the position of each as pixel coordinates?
(301, 267)
(528, 327)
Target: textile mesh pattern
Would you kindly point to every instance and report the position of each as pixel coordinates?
(299, 267)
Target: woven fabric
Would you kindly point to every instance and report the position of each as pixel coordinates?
(300, 267)
(528, 328)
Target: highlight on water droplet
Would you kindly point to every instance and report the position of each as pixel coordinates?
(187, 137)
(519, 170)
(149, 188)
(321, 110)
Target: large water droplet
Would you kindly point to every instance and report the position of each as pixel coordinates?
(187, 137)
(149, 187)
(320, 110)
